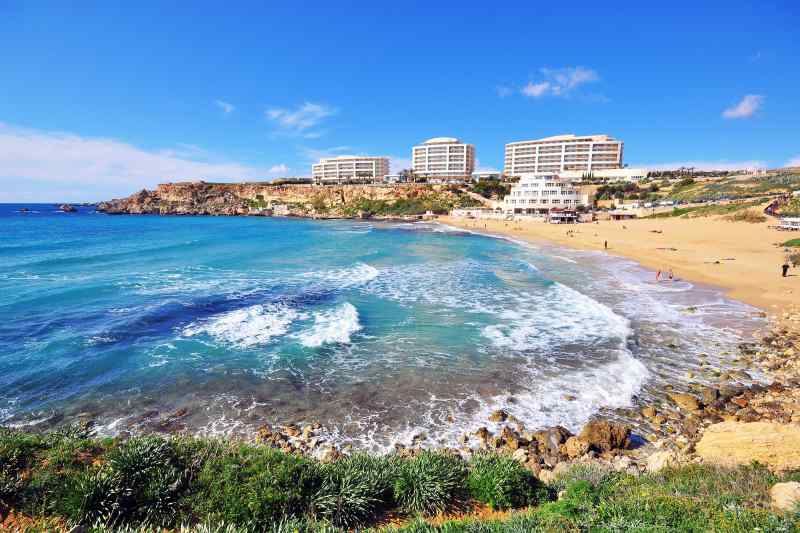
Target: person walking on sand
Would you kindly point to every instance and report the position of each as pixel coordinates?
(670, 274)
(658, 275)
(605, 245)
(785, 268)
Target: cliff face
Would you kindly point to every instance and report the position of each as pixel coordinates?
(200, 198)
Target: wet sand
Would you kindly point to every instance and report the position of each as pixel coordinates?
(741, 258)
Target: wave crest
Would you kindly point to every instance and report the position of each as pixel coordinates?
(334, 326)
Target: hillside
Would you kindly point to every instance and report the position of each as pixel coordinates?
(260, 199)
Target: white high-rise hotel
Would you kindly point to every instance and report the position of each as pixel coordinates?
(563, 153)
(350, 169)
(443, 158)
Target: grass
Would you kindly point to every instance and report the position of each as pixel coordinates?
(732, 209)
(146, 484)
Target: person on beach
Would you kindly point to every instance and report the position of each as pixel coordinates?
(605, 245)
(658, 275)
(785, 268)
(670, 274)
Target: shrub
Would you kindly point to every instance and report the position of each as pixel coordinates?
(16, 454)
(747, 216)
(430, 483)
(501, 482)
(254, 484)
(354, 489)
(794, 259)
(140, 482)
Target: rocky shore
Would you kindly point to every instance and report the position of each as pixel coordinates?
(728, 423)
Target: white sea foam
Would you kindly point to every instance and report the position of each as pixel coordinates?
(331, 327)
(247, 327)
(345, 278)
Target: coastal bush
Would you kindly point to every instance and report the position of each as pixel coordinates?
(17, 452)
(253, 484)
(140, 481)
(747, 216)
(794, 259)
(430, 483)
(501, 482)
(793, 243)
(354, 489)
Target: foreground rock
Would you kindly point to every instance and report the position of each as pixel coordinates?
(735, 443)
(785, 496)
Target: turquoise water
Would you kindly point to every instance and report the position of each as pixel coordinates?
(380, 331)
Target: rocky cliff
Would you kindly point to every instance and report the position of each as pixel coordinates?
(201, 198)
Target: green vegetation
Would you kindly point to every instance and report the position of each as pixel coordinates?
(709, 210)
(791, 208)
(501, 483)
(436, 202)
(491, 188)
(734, 187)
(793, 243)
(146, 484)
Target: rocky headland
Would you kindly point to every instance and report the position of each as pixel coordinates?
(299, 200)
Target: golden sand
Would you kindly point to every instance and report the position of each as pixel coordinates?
(742, 258)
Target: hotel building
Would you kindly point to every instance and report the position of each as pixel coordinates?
(570, 153)
(443, 159)
(537, 194)
(350, 169)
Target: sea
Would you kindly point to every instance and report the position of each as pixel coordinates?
(383, 332)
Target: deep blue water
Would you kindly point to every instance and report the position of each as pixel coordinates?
(377, 330)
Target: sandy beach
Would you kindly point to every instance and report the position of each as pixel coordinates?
(742, 258)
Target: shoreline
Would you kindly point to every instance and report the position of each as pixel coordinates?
(738, 258)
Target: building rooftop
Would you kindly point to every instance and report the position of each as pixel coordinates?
(442, 140)
(570, 137)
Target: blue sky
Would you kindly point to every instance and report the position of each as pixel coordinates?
(105, 98)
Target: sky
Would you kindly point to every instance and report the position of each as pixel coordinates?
(102, 99)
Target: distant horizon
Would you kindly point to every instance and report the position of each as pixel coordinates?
(103, 101)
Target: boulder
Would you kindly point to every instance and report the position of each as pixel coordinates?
(520, 455)
(498, 416)
(574, 447)
(785, 496)
(661, 460)
(604, 436)
(740, 443)
(685, 401)
(551, 439)
(649, 411)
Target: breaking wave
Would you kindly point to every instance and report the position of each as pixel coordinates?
(334, 326)
(247, 327)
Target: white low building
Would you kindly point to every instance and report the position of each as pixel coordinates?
(537, 194)
(350, 169)
(610, 175)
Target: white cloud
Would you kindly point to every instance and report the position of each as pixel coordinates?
(62, 166)
(559, 81)
(299, 121)
(278, 169)
(535, 90)
(708, 165)
(226, 107)
(793, 162)
(747, 107)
